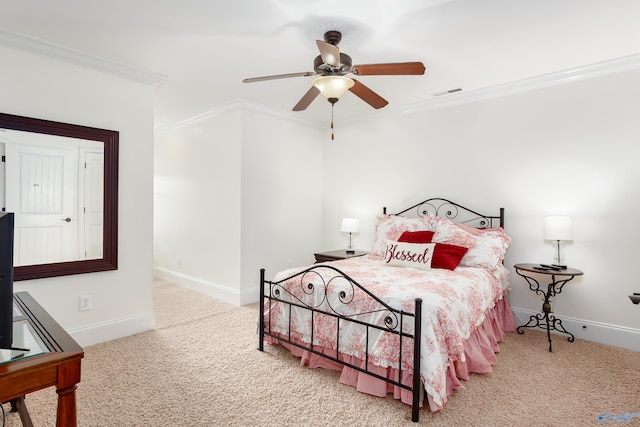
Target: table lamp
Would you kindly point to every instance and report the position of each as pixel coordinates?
(558, 228)
(350, 225)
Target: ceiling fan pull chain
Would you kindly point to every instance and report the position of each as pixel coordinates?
(332, 105)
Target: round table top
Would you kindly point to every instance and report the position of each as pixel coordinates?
(532, 268)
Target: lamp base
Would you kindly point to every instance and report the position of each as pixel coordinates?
(563, 267)
(350, 252)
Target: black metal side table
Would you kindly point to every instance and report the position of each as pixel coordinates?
(546, 319)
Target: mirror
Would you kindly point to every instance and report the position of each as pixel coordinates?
(107, 257)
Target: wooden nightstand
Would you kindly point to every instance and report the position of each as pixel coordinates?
(336, 255)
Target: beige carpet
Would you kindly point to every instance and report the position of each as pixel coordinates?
(201, 367)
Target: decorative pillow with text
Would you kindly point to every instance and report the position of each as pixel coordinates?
(444, 255)
(415, 255)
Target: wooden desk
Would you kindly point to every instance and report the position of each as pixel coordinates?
(60, 367)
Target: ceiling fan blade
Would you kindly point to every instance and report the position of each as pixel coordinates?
(307, 99)
(367, 95)
(279, 76)
(330, 54)
(390, 69)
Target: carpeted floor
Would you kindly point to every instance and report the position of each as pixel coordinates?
(201, 367)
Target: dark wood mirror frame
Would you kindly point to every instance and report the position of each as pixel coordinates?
(109, 260)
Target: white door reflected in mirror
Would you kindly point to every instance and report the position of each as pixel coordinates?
(54, 185)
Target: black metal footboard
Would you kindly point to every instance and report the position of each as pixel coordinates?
(324, 290)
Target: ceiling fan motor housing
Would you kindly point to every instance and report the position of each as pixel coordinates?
(327, 70)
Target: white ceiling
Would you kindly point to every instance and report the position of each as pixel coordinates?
(206, 47)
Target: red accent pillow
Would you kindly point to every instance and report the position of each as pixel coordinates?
(422, 236)
(447, 256)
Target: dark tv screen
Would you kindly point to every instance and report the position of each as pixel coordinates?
(6, 279)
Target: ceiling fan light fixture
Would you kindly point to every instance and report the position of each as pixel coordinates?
(333, 86)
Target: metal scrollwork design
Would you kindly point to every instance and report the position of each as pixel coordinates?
(452, 211)
(345, 296)
(335, 293)
(344, 291)
(308, 286)
(427, 209)
(391, 321)
(443, 209)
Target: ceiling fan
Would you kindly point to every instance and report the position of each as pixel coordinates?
(331, 66)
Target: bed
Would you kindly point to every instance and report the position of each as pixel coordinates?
(428, 298)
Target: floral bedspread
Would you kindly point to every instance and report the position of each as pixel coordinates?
(454, 303)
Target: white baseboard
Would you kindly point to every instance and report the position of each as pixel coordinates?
(119, 328)
(113, 329)
(602, 333)
(216, 290)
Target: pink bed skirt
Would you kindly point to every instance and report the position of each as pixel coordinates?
(480, 353)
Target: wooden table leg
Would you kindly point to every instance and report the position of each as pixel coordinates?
(66, 413)
(68, 379)
(18, 405)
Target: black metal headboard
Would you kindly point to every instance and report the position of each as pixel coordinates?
(447, 209)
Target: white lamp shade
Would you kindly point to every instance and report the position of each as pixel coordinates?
(558, 227)
(333, 86)
(350, 225)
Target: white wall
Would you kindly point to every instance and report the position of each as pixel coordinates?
(569, 149)
(235, 190)
(197, 203)
(281, 210)
(41, 87)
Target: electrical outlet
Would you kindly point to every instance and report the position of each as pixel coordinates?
(85, 302)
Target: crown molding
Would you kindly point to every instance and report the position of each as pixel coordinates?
(604, 68)
(44, 48)
(265, 109)
(237, 104)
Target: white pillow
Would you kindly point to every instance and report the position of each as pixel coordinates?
(487, 247)
(415, 255)
(391, 227)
